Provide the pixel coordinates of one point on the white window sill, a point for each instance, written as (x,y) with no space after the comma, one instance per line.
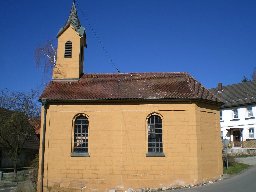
(236,119)
(247,118)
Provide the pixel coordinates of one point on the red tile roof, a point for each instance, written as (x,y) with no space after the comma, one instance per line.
(145,86)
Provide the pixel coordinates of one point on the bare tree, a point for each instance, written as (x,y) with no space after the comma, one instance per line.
(254,74)
(245,79)
(17,112)
(46,56)
(26,103)
(253,77)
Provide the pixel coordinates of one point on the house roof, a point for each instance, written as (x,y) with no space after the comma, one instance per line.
(128,86)
(239,94)
(74,21)
(32,142)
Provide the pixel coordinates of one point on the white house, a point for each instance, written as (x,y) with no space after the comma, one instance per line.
(237,115)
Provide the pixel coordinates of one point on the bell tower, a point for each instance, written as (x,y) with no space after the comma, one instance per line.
(70,51)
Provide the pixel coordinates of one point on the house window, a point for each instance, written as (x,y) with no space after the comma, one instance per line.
(251,133)
(249,111)
(68,49)
(80,140)
(235,113)
(220,115)
(155,143)
(221,135)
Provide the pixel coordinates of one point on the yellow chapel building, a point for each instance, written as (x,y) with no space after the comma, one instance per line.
(120,131)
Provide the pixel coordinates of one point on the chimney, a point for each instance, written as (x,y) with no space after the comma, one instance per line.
(219,86)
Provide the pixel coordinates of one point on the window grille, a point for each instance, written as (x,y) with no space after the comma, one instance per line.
(251,133)
(81,135)
(155,144)
(68,49)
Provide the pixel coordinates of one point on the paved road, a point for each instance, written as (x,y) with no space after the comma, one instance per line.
(244,182)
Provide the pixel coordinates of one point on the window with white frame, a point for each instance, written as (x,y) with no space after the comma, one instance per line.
(235,113)
(221,115)
(155,143)
(249,111)
(251,133)
(80,140)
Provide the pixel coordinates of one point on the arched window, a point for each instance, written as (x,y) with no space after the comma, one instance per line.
(68,49)
(80,142)
(155,142)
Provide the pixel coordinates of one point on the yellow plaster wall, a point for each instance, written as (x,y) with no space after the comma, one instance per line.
(69,68)
(118,147)
(209,142)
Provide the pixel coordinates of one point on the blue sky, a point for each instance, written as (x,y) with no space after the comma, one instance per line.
(213,40)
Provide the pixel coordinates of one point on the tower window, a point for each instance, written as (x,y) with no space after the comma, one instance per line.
(68,49)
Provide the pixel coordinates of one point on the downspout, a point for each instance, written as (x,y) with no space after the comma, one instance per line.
(44,103)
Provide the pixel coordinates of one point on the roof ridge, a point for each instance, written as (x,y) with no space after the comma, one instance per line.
(240,83)
(199,90)
(133,75)
(185,73)
(194,85)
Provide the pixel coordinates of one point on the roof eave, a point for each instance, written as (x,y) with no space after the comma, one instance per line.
(229,106)
(121,100)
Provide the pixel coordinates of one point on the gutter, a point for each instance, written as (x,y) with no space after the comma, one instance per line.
(44,103)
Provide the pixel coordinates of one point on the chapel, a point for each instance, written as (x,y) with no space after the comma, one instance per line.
(120,131)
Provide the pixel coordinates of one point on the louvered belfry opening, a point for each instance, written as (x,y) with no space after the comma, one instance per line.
(68,49)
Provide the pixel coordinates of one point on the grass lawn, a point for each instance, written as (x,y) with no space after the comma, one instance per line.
(235,168)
